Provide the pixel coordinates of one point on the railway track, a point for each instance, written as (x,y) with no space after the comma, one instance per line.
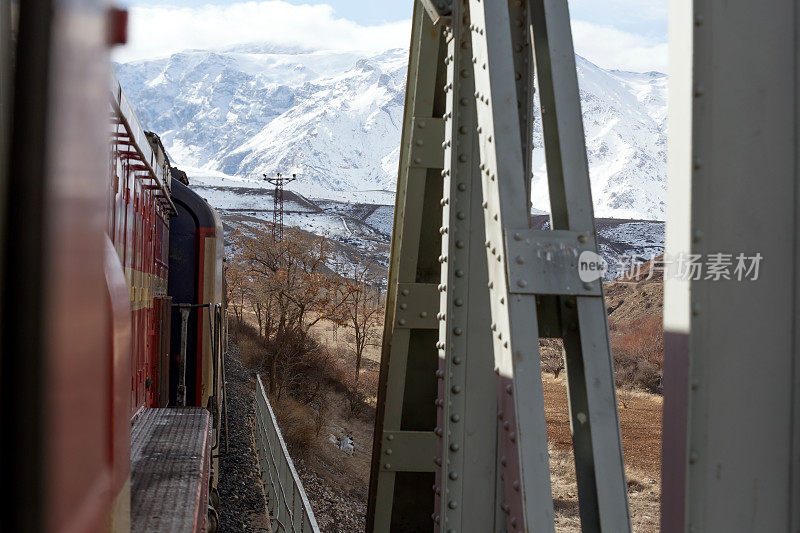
(242,503)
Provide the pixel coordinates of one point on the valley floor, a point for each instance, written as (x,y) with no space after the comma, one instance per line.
(337,483)
(641,441)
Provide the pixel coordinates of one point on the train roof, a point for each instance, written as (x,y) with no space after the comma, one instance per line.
(205,214)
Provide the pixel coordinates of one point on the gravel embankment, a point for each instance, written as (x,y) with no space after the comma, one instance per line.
(335,509)
(242,503)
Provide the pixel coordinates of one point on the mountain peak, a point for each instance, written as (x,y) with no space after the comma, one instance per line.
(266,47)
(335,118)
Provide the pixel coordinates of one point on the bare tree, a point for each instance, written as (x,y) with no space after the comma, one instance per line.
(291,289)
(237,288)
(363,311)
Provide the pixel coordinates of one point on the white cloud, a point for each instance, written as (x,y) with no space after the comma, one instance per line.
(609,47)
(621,11)
(161,31)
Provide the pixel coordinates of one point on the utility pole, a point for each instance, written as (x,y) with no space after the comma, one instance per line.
(277,211)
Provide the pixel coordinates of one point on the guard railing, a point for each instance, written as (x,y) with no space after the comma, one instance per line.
(288,506)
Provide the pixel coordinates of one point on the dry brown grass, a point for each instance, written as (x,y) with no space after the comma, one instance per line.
(335,466)
(628,302)
(640,421)
(296,421)
(251,347)
(643,493)
(350,409)
(641,441)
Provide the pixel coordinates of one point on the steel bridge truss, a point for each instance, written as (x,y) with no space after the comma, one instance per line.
(461,440)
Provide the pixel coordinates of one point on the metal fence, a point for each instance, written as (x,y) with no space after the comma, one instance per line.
(287,503)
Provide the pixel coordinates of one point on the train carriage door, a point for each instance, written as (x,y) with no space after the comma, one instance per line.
(182,287)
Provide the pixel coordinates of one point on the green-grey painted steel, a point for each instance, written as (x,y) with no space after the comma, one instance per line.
(736,155)
(547,262)
(467,492)
(426,149)
(417,306)
(526,473)
(501,285)
(402,500)
(597,444)
(520,25)
(408,451)
(439,11)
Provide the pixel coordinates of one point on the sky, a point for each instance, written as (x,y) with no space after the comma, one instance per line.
(616,34)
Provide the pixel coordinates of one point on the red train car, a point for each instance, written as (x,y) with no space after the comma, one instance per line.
(85,216)
(138,225)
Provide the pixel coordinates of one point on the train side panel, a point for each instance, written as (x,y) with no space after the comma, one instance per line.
(57,448)
(197,278)
(140,230)
(84,268)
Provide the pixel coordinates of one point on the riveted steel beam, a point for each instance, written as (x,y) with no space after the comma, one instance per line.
(401,500)
(526,472)
(520,26)
(427,136)
(468,494)
(597,444)
(408,451)
(731,447)
(439,11)
(501,286)
(417,306)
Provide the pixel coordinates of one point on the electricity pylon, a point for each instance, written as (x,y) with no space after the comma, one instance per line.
(277,210)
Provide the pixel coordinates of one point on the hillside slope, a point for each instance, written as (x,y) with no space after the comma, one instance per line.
(335,119)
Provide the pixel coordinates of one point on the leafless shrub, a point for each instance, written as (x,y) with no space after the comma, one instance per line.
(296,423)
(552,356)
(625,395)
(638,350)
(320,408)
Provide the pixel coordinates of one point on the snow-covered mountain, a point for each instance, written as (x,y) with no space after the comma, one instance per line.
(334,118)
(625,122)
